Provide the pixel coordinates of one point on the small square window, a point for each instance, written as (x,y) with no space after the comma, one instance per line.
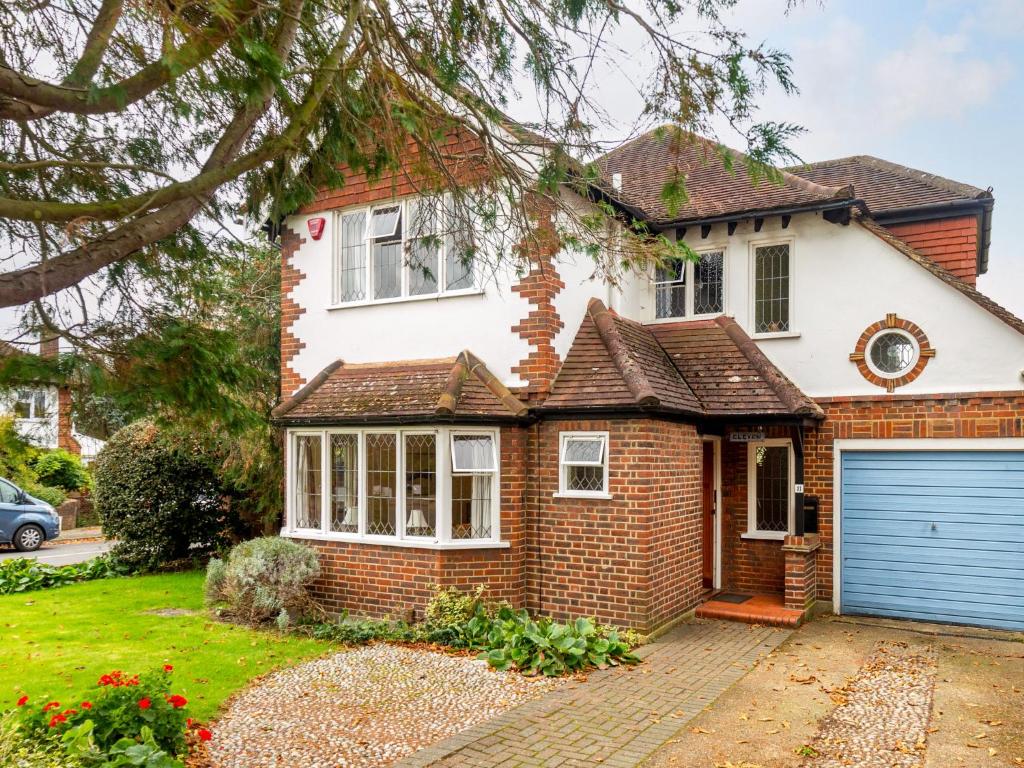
(583,464)
(473,453)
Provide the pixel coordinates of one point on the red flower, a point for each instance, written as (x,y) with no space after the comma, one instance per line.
(69,712)
(189,722)
(177,701)
(145,703)
(23,701)
(86,705)
(105,680)
(168,668)
(57,720)
(204,735)
(51,705)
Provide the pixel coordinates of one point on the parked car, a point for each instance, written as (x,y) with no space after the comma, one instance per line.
(25,521)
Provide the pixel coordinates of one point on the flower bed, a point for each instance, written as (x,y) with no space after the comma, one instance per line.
(25,575)
(127,720)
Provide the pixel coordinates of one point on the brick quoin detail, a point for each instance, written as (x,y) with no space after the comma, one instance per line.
(539,287)
(953,243)
(860,352)
(290,311)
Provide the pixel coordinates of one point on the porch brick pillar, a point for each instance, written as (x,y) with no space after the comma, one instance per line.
(801,570)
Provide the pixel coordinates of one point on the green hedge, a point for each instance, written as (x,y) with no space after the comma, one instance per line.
(24,575)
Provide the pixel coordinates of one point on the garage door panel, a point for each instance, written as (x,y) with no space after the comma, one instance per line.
(934,535)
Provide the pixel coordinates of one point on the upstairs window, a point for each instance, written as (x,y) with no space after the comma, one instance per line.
(686,289)
(30,404)
(771,288)
(583,464)
(401,250)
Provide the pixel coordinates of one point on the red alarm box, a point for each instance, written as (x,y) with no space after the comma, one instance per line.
(316,226)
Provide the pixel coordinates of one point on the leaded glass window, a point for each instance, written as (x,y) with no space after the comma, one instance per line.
(420,485)
(670,290)
(892,353)
(345,483)
(307,466)
(386,231)
(424,247)
(350,273)
(584,463)
(381,483)
(472,503)
(772,491)
(771,288)
(473,453)
(708,283)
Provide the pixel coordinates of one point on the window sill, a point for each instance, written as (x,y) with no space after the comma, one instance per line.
(685,318)
(591,496)
(406,299)
(764,535)
(778,335)
(387,541)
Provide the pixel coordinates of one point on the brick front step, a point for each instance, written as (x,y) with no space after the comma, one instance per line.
(768,610)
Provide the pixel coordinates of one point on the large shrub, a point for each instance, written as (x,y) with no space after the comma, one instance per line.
(61,469)
(159,496)
(263,579)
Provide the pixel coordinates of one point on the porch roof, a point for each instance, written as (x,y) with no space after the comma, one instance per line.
(413,390)
(708,368)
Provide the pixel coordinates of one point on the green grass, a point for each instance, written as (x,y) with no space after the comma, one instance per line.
(56,643)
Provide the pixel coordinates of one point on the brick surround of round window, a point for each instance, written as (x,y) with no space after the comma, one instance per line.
(892,322)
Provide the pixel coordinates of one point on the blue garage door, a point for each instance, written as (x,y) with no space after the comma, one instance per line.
(934,535)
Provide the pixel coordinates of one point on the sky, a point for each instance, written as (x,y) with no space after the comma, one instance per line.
(936,85)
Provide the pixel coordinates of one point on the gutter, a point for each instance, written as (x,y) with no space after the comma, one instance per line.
(829,205)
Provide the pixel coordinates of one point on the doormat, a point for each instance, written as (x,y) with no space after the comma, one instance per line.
(731,597)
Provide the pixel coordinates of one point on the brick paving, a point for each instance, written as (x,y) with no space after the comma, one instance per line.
(619,716)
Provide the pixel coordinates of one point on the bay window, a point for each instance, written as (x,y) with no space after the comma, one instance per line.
(409,249)
(415,487)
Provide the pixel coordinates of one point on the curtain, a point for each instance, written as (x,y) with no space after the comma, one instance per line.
(301,483)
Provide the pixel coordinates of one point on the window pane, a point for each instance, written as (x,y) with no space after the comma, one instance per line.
(472,453)
(385,222)
(381,483)
(707,283)
(584,478)
(8,493)
(423,263)
(350,278)
(471,506)
(892,352)
(458,263)
(345,483)
(584,451)
(387,270)
(308,488)
(420,485)
(423,217)
(772,488)
(771,289)
(23,405)
(670,290)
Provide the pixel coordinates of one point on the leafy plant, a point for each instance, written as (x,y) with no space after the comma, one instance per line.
(52,496)
(25,575)
(262,578)
(158,495)
(61,469)
(19,749)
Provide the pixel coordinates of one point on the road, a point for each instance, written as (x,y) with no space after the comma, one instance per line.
(61,554)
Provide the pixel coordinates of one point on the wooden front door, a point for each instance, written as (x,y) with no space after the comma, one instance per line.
(708,496)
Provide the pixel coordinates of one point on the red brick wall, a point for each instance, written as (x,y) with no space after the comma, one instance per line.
(953,243)
(630,560)
(900,416)
(378,580)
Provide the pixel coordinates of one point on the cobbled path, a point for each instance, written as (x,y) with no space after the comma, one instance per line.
(618,717)
(883,719)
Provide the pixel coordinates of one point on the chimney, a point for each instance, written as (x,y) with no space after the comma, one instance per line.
(49,347)
(617,182)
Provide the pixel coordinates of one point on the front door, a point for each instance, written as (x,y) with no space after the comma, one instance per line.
(708,497)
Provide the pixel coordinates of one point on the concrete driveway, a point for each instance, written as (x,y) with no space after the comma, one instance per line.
(61,554)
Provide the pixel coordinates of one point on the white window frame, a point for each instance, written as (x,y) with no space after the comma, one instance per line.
(689,300)
(442,538)
(454,433)
(407,239)
(752,531)
(753,245)
(33,414)
(563,467)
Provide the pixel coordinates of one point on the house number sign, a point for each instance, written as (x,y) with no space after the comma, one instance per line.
(745,437)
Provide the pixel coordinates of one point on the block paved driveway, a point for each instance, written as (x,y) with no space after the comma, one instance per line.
(619,716)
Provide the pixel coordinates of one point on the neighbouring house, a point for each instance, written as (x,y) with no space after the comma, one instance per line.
(43,412)
(823,408)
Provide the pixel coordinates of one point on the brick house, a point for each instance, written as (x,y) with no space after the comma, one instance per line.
(823,408)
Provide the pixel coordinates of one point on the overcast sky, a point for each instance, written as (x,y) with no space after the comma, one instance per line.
(933,84)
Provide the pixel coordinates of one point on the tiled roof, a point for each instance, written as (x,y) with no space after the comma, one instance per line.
(708,368)
(942,273)
(885,186)
(458,387)
(650,161)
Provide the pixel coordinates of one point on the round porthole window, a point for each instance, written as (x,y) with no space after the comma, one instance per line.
(892,353)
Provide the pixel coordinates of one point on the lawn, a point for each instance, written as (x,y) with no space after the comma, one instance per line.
(57,642)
